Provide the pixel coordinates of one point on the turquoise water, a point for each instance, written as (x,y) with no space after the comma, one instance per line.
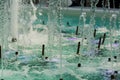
(74,20)
(31,65)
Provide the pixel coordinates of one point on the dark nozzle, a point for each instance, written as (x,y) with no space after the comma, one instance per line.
(46,57)
(2,79)
(112,77)
(16,53)
(14,40)
(109,59)
(0,53)
(79,64)
(43,50)
(94,33)
(99,43)
(68,24)
(85,38)
(104,37)
(61,78)
(116,72)
(76,30)
(43,22)
(115,57)
(116,41)
(78,48)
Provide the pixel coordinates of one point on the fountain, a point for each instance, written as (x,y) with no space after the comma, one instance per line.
(14,19)
(45,43)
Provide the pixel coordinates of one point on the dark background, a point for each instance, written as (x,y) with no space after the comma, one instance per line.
(87,3)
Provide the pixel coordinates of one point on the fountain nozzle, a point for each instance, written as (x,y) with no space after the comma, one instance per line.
(14,40)
(61,79)
(43,49)
(0,53)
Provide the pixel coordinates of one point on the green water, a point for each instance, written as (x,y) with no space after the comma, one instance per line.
(74,19)
(34,67)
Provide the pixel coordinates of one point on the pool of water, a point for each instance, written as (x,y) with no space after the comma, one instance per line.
(72,16)
(90,64)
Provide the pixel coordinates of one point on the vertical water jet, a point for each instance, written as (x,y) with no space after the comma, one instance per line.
(14,18)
